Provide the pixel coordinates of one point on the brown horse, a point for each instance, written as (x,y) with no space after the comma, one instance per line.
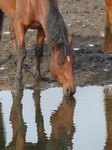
(108,27)
(44,16)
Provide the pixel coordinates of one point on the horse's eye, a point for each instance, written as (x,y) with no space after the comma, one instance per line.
(60,64)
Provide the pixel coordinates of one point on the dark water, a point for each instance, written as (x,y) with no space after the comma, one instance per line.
(45,120)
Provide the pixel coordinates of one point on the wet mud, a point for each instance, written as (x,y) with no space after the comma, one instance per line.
(85,21)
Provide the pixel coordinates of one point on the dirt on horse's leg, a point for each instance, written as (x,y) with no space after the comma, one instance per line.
(20,35)
(38,54)
(13,37)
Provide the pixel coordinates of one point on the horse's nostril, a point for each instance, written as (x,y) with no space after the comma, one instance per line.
(68,91)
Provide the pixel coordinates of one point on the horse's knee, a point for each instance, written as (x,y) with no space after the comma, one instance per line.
(38,55)
(12,35)
(22,52)
(39,50)
(12,32)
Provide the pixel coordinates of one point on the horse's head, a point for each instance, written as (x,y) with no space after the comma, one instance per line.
(62,68)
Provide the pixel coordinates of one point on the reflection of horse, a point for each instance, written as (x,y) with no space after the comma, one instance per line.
(2,135)
(44,16)
(108,27)
(18,126)
(62,127)
(108,114)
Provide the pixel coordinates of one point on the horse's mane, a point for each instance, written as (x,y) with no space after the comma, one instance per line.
(57,30)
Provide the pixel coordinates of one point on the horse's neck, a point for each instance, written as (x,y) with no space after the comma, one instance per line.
(45,9)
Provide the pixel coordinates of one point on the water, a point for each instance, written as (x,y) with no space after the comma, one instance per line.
(45,120)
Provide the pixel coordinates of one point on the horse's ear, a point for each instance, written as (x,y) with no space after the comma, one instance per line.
(70,40)
(55,45)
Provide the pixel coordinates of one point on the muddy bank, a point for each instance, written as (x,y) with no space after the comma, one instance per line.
(92,66)
(85,21)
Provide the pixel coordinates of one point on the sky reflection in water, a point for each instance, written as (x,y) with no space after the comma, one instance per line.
(79,123)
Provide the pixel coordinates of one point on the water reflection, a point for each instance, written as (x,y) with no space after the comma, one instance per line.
(61,124)
(89,118)
(2,136)
(108,114)
(44,120)
(18,125)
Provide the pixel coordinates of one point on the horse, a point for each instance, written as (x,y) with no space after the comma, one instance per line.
(62,130)
(46,18)
(107,43)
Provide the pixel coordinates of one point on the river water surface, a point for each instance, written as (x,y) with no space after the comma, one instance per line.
(45,120)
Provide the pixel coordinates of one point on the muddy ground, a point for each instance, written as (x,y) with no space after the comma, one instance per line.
(85,21)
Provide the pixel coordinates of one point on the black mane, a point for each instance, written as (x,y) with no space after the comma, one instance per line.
(57,30)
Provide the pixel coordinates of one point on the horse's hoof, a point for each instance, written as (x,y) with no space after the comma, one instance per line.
(17,86)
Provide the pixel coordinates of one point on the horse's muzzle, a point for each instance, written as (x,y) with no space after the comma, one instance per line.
(69,92)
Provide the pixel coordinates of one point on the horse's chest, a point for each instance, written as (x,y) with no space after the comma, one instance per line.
(31,23)
(35,25)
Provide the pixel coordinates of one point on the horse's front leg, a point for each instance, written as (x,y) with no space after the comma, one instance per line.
(21,55)
(38,54)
